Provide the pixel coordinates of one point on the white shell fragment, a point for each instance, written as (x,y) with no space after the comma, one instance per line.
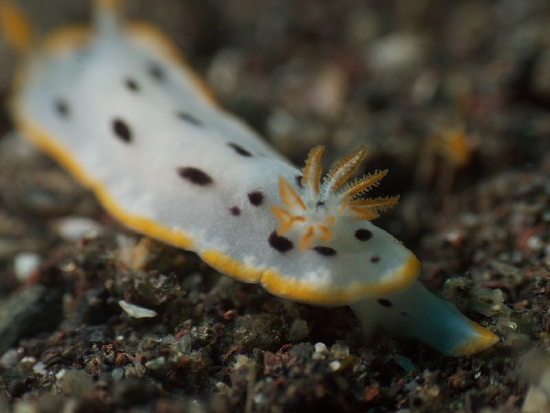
(136,311)
(74,228)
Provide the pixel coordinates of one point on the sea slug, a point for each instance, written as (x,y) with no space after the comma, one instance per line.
(118,107)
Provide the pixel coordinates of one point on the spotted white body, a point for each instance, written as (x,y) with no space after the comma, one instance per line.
(117,107)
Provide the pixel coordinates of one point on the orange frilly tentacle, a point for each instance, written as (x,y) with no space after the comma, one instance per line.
(314,210)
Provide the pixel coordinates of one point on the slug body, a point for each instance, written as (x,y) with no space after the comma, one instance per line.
(118,107)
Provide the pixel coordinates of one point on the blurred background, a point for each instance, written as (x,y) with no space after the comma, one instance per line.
(453,97)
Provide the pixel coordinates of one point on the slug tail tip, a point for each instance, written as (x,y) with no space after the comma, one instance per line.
(483,340)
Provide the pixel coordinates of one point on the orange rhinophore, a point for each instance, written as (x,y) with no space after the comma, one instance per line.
(314,214)
(448,151)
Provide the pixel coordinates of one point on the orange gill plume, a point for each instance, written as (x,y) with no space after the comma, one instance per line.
(313,211)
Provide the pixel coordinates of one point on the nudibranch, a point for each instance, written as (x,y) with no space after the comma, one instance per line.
(118,107)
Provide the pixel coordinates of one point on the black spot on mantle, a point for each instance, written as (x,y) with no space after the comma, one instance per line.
(385,303)
(363,234)
(131,84)
(62,108)
(256,198)
(281,244)
(122,130)
(195,176)
(157,72)
(239,149)
(186,117)
(325,251)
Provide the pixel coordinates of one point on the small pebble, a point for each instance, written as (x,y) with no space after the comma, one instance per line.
(74,382)
(223,73)
(10,358)
(535,243)
(396,52)
(28,360)
(536,401)
(339,351)
(156,364)
(335,365)
(405,363)
(24,264)
(321,352)
(25,407)
(321,348)
(298,330)
(39,368)
(241,360)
